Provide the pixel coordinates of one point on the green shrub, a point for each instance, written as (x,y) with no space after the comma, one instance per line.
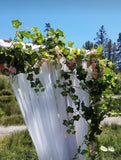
(4,82)
(18,146)
(1,112)
(6,92)
(9,107)
(117,88)
(8,103)
(111,136)
(16,119)
(9,111)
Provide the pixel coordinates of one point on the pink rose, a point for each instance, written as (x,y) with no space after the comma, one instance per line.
(95,74)
(93,65)
(45,60)
(93,60)
(94,144)
(2,67)
(71,62)
(92,147)
(101,70)
(93,52)
(12,69)
(93,153)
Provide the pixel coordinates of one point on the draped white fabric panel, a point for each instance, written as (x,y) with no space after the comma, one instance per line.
(44,112)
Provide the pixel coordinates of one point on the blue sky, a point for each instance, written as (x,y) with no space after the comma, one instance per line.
(78,19)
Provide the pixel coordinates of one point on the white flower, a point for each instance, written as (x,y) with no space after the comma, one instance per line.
(57,49)
(104,149)
(111,149)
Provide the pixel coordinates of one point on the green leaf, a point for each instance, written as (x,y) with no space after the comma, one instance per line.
(51,32)
(77,117)
(71,122)
(68,131)
(16,23)
(18,45)
(66,51)
(75,50)
(59,32)
(66,75)
(70,109)
(19,35)
(26,34)
(84,152)
(33,84)
(64,36)
(36,70)
(34,29)
(74,132)
(79,149)
(65,123)
(36,90)
(83,51)
(37,81)
(59,86)
(70,44)
(81,73)
(108,71)
(28,49)
(100,50)
(43,89)
(72,127)
(39,41)
(74,97)
(108,78)
(57,81)
(70,57)
(72,89)
(34,37)
(54,86)
(64,93)
(30,77)
(40,85)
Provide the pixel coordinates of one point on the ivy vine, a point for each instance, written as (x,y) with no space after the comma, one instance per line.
(94,78)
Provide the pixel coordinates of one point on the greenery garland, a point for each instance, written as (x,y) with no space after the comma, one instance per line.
(94,78)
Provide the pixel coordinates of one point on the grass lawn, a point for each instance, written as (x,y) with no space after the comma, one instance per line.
(17,147)
(111,137)
(20,147)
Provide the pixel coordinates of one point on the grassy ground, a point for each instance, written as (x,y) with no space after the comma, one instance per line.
(20,147)
(9,111)
(17,147)
(15,119)
(111,136)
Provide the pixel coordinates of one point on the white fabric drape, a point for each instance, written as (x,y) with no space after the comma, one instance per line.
(44,112)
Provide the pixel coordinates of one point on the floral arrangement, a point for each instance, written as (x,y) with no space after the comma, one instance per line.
(91,68)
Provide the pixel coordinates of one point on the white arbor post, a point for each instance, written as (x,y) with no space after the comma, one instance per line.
(44,112)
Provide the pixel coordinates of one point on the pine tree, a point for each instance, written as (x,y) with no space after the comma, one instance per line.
(88,45)
(108,51)
(119,51)
(114,53)
(101,39)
